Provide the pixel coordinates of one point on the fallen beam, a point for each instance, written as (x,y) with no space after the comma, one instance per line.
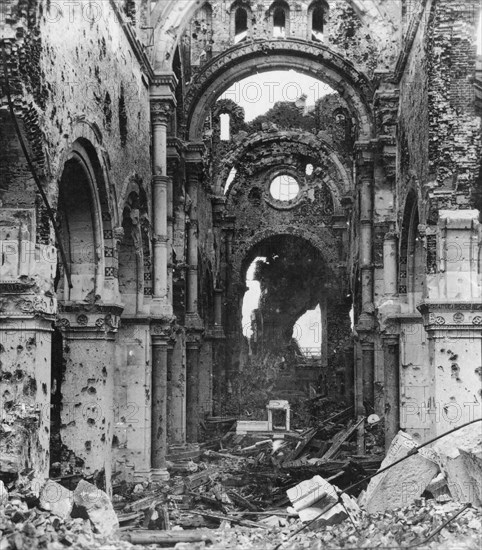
(166,538)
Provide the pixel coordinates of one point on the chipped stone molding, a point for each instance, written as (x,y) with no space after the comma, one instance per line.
(24,306)
(215,333)
(97,318)
(365,149)
(176,149)
(195,151)
(194,324)
(365,326)
(460,317)
(390,339)
(161,332)
(160,239)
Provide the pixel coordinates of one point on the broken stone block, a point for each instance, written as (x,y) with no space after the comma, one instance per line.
(56,499)
(402,484)
(311,497)
(315,492)
(3,493)
(270,521)
(459,456)
(93,502)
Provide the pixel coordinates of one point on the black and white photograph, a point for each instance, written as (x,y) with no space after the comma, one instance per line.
(240,274)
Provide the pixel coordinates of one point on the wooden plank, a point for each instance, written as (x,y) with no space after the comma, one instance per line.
(340,439)
(232,519)
(167,538)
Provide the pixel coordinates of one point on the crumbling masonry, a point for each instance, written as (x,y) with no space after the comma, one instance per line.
(121,289)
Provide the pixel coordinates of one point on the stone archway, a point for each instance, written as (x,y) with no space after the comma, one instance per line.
(266,55)
(311,146)
(296,276)
(87,317)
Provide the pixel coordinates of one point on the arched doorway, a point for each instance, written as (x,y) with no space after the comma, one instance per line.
(83,347)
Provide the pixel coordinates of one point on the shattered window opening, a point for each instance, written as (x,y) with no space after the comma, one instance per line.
(284,188)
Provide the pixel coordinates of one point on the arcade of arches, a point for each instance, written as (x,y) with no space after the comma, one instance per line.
(151,206)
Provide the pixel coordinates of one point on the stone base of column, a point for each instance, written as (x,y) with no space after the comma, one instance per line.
(193,321)
(142,475)
(159,475)
(183,452)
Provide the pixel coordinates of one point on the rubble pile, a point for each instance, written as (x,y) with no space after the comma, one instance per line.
(308,489)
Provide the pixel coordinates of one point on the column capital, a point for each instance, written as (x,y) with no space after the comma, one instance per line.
(391,236)
(194,152)
(161,110)
(390,339)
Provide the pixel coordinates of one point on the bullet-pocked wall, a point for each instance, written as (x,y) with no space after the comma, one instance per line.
(82,106)
(120,304)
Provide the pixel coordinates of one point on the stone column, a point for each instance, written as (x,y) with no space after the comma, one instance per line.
(194,324)
(390,261)
(159,403)
(162,107)
(173,169)
(160,239)
(177,390)
(218,307)
(391,357)
(368,375)
(193,345)
(366,241)
(365,323)
(133,394)
(87,412)
(349,359)
(25,359)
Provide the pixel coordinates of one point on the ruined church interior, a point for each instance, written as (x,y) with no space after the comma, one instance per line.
(232,219)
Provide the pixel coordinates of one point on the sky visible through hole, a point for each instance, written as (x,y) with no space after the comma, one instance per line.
(307,330)
(258,93)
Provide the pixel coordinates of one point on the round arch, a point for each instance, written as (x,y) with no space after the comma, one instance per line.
(323,241)
(244,60)
(85,148)
(313,145)
(79,206)
(170,18)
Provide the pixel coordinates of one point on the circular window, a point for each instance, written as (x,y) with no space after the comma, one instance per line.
(284,188)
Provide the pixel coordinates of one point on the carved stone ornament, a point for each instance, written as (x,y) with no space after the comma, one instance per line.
(100,323)
(161,111)
(458,317)
(82,320)
(62,324)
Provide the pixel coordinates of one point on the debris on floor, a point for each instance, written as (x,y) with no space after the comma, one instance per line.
(284,486)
